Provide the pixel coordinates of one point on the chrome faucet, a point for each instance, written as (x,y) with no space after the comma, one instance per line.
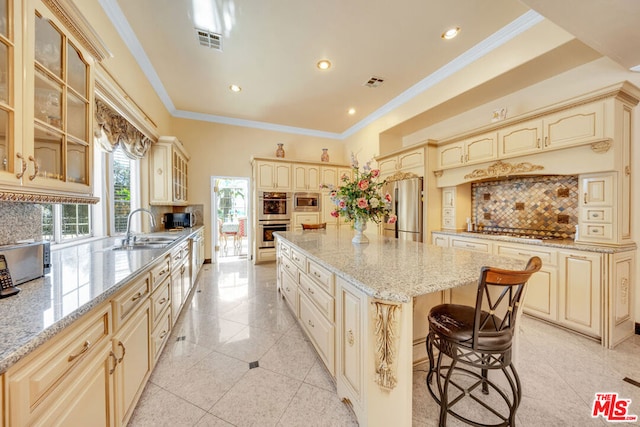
(128,238)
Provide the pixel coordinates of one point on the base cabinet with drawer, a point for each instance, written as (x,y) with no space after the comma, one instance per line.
(590,292)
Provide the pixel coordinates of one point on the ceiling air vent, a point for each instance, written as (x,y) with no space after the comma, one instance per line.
(209,39)
(374,81)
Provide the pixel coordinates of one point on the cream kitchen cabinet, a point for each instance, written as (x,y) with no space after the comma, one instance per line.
(411,160)
(131,344)
(306,177)
(71,378)
(456,207)
(49,146)
(351,344)
(580,287)
(476,149)
(168,166)
(180,279)
(577,125)
(272,175)
(332,176)
(329,176)
(440,240)
(597,216)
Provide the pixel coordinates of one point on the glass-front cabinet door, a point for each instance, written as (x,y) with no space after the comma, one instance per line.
(9,64)
(61,152)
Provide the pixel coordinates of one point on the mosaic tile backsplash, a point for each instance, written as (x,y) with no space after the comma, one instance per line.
(541,205)
(20,221)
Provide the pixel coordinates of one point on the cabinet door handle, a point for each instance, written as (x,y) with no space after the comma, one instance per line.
(546,141)
(520,253)
(311,323)
(585,198)
(538,143)
(20,174)
(315,273)
(36,168)
(124,351)
(577,257)
(350,338)
(310,291)
(115,362)
(136,296)
(163,334)
(162,301)
(85,347)
(461,158)
(162,272)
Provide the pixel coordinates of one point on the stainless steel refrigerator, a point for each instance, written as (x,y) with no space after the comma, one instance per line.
(406,204)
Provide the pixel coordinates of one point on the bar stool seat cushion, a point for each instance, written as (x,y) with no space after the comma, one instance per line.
(455,322)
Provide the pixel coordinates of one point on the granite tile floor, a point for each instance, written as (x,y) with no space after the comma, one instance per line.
(235,317)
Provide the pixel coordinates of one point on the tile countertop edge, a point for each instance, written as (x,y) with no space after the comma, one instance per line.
(10,357)
(404,296)
(560,243)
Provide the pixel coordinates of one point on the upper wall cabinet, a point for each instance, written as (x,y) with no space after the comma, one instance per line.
(477,149)
(46,98)
(306,177)
(411,160)
(169,172)
(272,175)
(584,123)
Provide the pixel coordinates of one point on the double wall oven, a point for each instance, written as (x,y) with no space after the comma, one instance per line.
(274,214)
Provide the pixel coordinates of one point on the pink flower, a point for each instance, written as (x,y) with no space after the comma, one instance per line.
(342,204)
(362,203)
(392,219)
(363,184)
(387,197)
(335,214)
(375,173)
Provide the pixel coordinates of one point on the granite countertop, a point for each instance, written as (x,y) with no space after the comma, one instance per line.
(552,243)
(391,269)
(81,277)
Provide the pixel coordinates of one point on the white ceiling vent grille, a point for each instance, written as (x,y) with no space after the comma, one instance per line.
(209,39)
(374,81)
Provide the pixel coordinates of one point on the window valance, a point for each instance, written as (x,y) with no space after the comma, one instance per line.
(111,129)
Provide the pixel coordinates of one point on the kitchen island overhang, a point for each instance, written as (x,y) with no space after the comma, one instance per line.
(374,288)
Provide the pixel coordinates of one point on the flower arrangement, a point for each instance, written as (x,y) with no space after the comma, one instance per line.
(360,199)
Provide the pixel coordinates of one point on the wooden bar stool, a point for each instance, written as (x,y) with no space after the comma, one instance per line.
(321,226)
(478,340)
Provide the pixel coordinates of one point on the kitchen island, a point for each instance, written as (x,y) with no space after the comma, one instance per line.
(358,303)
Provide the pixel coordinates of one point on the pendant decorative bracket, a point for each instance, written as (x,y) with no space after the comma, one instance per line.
(386,334)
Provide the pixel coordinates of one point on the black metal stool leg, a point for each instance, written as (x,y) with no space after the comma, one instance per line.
(485,386)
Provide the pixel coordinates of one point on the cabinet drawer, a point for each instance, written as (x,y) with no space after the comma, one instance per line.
(323,301)
(179,254)
(127,301)
(159,273)
(40,374)
(290,291)
(549,257)
(470,245)
(289,267)
(448,222)
(160,299)
(599,231)
(160,334)
(298,259)
(321,332)
(597,214)
(285,250)
(449,212)
(322,276)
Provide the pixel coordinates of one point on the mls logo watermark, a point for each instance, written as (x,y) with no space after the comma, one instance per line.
(612,408)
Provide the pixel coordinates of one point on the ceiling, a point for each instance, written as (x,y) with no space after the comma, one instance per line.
(270,49)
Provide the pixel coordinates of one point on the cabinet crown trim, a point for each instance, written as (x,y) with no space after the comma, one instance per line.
(27,197)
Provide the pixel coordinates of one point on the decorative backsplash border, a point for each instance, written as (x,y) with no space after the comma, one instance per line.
(538,206)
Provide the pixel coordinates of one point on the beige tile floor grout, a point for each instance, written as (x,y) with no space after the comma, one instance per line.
(235,316)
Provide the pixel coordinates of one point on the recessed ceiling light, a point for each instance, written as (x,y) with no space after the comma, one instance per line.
(451,33)
(351,111)
(235,88)
(635,69)
(324,64)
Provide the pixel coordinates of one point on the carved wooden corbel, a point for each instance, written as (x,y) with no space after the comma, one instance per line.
(386,333)
(438,173)
(601,146)
(500,168)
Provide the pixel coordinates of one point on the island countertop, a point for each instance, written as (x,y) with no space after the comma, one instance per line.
(391,269)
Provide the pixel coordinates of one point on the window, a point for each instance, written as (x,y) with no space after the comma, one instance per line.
(62,223)
(124,194)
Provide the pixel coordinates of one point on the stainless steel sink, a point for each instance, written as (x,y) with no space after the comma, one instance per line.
(140,246)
